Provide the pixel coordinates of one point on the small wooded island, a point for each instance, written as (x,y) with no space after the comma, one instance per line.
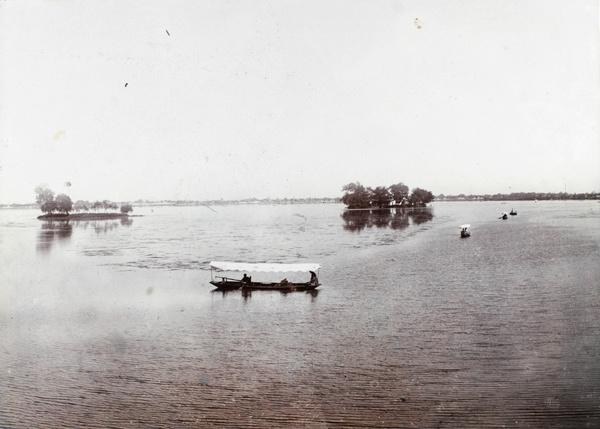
(60,208)
(356,196)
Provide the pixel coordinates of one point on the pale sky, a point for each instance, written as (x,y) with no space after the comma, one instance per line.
(219,99)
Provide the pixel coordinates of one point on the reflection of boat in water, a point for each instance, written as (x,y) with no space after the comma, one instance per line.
(464,230)
(504,216)
(513,212)
(246,283)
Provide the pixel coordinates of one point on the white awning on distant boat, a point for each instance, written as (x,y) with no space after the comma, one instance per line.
(466,225)
(263,268)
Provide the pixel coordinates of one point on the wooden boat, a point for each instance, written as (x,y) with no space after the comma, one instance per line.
(464,233)
(504,216)
(224,282)
(513,212)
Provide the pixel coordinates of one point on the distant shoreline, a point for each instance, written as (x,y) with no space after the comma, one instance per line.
(83,216)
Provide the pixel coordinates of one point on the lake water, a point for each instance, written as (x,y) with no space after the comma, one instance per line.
(113,324)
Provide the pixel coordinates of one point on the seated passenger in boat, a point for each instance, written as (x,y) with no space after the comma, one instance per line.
(246,280)
(313,278)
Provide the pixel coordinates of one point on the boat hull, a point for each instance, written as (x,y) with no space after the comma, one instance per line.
(280,286)
(264,286)
(226,284)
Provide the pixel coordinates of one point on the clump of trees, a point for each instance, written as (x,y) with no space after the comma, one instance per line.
(63,204)
(48,204)
(357,196)
(126,208)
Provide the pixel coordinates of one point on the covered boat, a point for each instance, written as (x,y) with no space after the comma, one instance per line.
(223,282)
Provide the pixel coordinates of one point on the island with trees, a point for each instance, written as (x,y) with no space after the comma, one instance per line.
(61,207)
(356,196)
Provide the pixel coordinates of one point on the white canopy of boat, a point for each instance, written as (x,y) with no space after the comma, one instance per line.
(263,268)
(466,225)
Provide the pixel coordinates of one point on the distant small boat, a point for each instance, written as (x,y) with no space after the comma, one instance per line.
(504,216)
(513,212)
(247,283)
(464,230)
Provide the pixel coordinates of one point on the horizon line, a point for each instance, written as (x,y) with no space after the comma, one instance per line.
(146,200)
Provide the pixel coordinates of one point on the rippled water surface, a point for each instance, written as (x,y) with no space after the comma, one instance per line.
(114,324)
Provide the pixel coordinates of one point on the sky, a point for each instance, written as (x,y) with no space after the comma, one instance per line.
(205,100)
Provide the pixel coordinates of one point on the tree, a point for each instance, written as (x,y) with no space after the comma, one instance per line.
(81,205)
(399,192)
(420,197)
(63,203)
(45,199)
(107,205)
(356,195)
(49,207)
(126,208)
(381,196)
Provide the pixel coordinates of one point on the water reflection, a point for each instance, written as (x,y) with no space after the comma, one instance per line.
(420,216)
(247,293)
(223,291)
(396,218)
(103,226)
(53,231)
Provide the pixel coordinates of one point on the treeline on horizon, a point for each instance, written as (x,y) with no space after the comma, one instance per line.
(521,196)
(141,202)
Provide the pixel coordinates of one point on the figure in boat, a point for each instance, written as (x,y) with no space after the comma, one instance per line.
(513,212)
(464,231)
(314,280)
(504,216)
